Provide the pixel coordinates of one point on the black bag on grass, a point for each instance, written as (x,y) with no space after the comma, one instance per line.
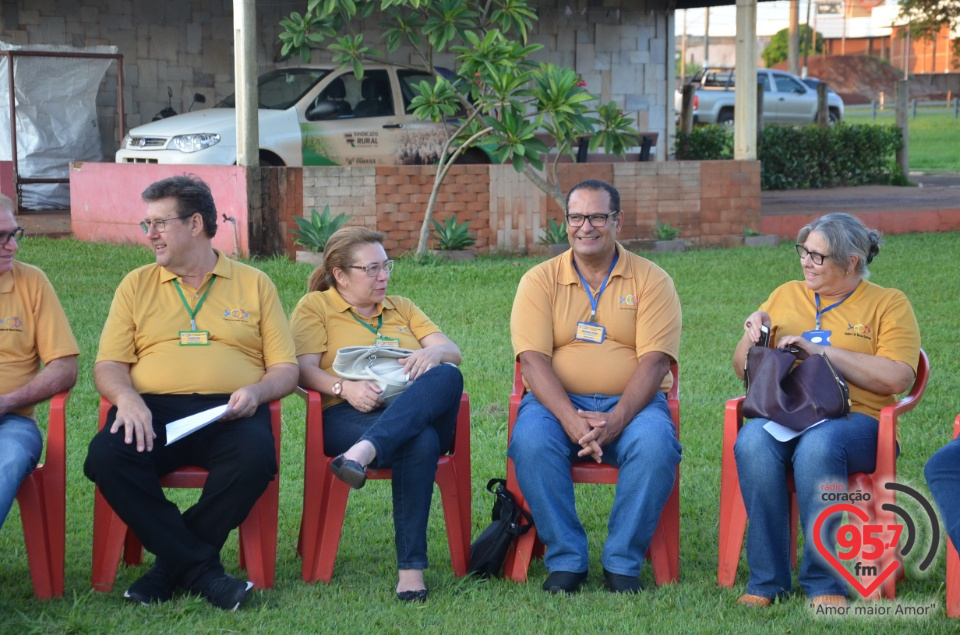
(489,551)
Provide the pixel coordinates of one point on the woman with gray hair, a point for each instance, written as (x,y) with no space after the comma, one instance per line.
(873,339)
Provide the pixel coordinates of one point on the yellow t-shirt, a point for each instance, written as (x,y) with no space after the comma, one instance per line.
(242,312)
(33,328)
(323,321)
(639,308)
(873,321)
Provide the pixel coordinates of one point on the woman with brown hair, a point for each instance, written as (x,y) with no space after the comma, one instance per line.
(347,305)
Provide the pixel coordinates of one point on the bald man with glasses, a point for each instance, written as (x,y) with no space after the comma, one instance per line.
(595,331)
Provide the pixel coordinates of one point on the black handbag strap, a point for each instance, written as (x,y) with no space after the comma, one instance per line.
(504,499)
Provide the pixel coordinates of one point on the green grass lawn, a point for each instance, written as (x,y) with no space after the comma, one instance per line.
(471,302)
(934,137)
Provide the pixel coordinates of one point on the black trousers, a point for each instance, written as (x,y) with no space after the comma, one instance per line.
(241,460)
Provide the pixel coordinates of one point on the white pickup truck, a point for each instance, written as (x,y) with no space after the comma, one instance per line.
(787,100)
(308,116)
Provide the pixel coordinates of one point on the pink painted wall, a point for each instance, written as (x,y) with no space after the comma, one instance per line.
(8,184)
(105,203)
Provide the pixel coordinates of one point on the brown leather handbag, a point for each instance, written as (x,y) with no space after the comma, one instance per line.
(795,395)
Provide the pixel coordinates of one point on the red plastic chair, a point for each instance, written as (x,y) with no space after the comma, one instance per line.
(325,496)
(43,503)
(733,514)
(953,561)
(664,550)
(258,533)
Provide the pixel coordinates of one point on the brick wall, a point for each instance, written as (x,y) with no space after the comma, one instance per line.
(712,202)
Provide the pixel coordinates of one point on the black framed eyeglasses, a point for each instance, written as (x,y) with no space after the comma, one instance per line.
(374,270)
(596,220)
(160,224)
(16,234)
(814,256)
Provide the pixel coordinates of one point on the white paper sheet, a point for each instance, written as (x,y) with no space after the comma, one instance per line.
(180,428)
(783,433)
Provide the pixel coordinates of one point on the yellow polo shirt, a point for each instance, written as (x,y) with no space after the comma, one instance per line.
(323,321)
(242,312)
(33,328)
(873,321)
(639,308)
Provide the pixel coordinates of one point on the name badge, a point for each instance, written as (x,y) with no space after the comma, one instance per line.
(387,341)
(194,338)
(818,336)
(590,332)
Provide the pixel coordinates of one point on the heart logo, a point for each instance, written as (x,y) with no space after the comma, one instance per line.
(826,553)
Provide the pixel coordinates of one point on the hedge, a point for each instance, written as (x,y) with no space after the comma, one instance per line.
(809,156)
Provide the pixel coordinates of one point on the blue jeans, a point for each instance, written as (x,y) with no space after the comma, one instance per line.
(943,476)
(826,454)
(409,436)
(20,447)
(646,453)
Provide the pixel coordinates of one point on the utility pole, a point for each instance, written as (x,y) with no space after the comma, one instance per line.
(683,51)
(706,37)
(793,39)
(843,41)
(808,39)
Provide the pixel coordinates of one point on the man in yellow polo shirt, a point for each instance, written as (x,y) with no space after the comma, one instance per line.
(193,331)
(595,330)
(33,332)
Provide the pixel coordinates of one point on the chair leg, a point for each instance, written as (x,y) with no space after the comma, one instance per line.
(333,512)
(664,548)
(314,502)
(109,536)
(733,525)
(953,580)
(458,536)
(522,551)
(36,536)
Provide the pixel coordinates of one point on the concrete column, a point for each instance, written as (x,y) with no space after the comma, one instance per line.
(245,75)
(793,39)
(745,99)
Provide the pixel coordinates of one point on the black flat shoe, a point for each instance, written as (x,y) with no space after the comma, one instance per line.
(564,582)
(420,595)
(617,583)
(350,472)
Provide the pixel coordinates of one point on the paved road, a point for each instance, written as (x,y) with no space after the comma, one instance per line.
(939,191)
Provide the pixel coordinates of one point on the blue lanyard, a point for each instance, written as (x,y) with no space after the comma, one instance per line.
(832,306)
(594,299)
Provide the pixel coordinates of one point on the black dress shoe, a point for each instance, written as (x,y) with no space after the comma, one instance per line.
(420,595)
(617,583)
(350,472)
(564,582)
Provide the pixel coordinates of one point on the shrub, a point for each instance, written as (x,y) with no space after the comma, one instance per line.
(705,143)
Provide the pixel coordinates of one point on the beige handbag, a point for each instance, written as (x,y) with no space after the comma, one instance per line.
(378,364)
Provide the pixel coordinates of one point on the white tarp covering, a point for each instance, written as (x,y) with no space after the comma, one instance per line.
(56,99)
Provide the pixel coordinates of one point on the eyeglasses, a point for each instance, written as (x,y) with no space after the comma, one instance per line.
(160,224)
(596,220)
(16,234)
(374,270)
(814,256)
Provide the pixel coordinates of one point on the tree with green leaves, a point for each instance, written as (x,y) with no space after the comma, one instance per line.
(497,99)
(776,51)
(926,18)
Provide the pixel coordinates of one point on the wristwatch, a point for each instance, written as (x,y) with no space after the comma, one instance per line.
(337,387)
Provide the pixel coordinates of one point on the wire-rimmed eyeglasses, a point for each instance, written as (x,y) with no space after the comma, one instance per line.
(160,224)
(374,270)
